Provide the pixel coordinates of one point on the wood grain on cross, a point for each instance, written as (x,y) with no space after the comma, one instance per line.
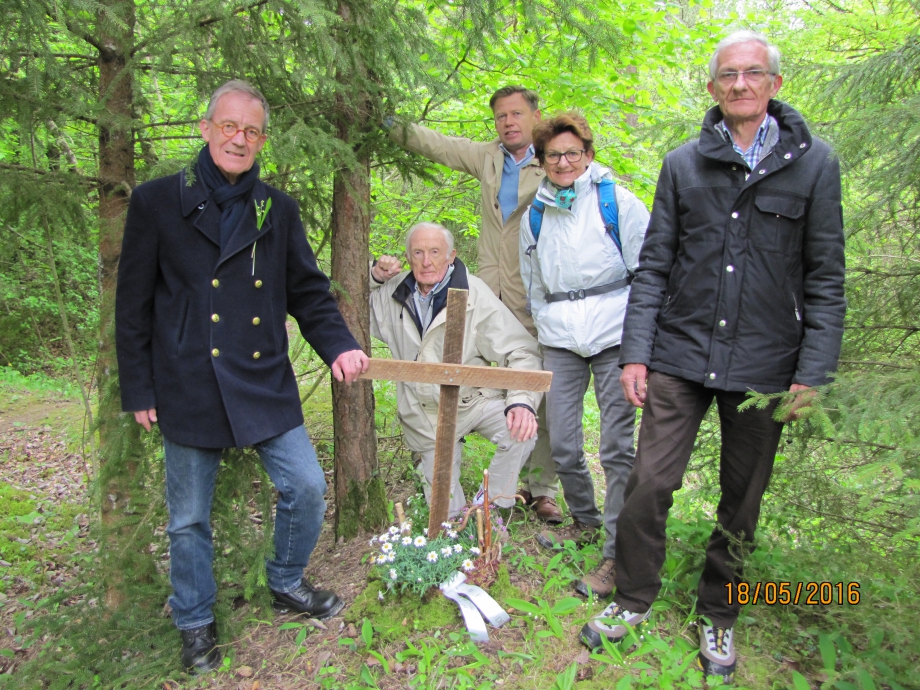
(450,374)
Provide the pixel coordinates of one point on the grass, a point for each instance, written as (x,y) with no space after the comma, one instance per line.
(415,643)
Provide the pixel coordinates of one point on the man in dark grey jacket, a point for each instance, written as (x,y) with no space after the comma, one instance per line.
(739,288)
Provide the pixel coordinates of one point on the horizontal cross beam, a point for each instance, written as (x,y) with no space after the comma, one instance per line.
(459,375)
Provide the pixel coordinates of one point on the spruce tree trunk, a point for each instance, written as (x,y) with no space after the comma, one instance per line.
(360,496)
(115,32)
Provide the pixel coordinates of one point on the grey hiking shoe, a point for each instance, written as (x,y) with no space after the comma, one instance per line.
(577,532)
(600,580)
(717,652)
(610,623)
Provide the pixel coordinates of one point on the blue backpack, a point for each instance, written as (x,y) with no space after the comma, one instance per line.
(607,200)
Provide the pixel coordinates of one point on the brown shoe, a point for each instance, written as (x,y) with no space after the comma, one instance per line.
(577,532)
(546,509)
(526,495)
(600,580)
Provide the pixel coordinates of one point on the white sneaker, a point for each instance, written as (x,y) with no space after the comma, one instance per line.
(611,623)
(717,652)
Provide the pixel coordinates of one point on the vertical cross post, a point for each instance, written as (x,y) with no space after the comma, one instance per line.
(447,413)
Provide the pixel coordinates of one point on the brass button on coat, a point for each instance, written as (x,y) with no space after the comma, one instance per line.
(215,318)
(258,283)
(215,352)
(215,282)
(256,321)
(256,355)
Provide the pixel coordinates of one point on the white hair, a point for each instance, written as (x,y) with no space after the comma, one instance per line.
(237,86)
(430,225)
(744,37)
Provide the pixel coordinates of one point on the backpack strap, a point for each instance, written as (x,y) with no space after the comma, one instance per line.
(607,199)
(536,218)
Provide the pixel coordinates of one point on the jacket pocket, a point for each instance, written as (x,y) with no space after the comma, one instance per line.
(778,225)
(182,327)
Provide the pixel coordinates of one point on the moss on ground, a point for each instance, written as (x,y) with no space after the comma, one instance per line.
(502,588)
(393,615)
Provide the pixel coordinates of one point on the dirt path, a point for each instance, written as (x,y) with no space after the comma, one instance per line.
(43,474)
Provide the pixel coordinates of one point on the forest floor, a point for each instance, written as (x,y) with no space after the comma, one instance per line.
(46,550)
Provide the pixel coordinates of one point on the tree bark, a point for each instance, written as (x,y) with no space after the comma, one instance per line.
(360,496)
(115,21)
(359,492)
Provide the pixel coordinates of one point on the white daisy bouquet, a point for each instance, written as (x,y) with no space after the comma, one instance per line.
(407,560)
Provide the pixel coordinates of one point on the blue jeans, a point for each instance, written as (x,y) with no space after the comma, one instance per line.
(290,461)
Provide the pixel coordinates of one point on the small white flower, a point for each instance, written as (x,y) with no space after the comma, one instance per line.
(405,527)
(447,551)
(372,541)
(383,538)
(425,531)
(393,529)
(419,579)
(386,548)
(391,557)
(468,565)
(457,548)
(432,556)
(446,525)
(393,573)
(373,560)
(407,541)
(452,534)
(380,596)
(420,542)
(475,550)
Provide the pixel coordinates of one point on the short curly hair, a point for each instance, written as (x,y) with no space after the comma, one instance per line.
(547,130)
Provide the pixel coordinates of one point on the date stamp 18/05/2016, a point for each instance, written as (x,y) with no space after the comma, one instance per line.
(806,593)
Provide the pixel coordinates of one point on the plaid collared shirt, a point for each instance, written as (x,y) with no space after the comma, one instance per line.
(753,155)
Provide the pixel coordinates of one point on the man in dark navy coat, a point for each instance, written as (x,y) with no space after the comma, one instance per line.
(739,288)
(210,268)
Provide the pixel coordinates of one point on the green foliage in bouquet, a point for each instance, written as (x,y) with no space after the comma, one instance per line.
(408,561)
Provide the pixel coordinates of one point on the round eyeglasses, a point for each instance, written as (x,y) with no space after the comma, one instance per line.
(229,130)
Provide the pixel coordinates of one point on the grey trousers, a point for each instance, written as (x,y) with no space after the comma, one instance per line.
(505,465)
(564,411)
(538,475)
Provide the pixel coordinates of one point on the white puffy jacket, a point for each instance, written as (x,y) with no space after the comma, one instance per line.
(575,252)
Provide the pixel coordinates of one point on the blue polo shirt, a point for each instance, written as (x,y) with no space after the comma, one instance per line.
(511,175)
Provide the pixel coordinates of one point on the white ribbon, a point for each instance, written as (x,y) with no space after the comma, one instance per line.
(456,589)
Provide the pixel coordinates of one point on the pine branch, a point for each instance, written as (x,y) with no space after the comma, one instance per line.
(884,529)
(446,80)
(238,10)
(168,123)
(86,179)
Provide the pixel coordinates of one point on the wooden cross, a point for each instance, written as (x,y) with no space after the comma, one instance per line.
(450,374)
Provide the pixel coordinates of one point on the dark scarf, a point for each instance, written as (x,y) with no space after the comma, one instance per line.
(231,199)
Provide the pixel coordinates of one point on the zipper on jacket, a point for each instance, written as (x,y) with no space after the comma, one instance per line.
(795,303)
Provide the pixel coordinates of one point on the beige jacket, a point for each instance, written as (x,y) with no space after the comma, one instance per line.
(499,266)
(492,335)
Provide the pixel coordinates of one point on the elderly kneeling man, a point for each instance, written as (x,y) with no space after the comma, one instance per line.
(408,314)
